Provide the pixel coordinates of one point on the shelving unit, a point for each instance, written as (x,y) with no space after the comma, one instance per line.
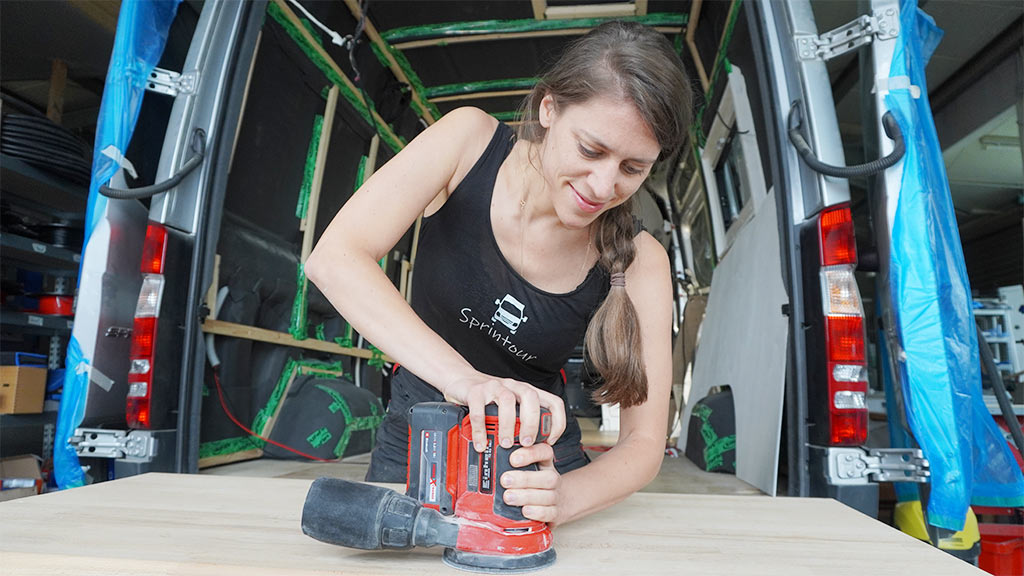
(30,184)
(997,326)
(38,255)
(30,191)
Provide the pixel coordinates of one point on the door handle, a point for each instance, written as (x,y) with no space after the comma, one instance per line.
(198,146)
(889,124)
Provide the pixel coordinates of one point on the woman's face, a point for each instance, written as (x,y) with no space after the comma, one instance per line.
(594,156)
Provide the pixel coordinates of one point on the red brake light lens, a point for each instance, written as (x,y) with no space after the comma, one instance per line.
(845,338)
(154,249)
(838,243)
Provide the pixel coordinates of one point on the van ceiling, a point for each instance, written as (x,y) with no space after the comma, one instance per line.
(33,33)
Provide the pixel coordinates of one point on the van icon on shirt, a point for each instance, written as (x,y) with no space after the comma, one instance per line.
(509,312)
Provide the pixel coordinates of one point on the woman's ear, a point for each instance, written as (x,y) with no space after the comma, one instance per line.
(546,111)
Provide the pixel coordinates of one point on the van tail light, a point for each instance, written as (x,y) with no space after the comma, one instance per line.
(844,329)
(147,312)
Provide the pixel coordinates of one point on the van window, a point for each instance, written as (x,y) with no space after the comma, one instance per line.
(733,191)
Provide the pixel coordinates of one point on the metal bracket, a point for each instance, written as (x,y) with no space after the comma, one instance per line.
(132,446)
(854,466)
(883,24)
(172,83)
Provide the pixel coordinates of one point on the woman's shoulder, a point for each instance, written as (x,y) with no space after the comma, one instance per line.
(651,259)
(471,124)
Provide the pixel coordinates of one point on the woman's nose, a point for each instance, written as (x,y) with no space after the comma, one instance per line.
(603,180)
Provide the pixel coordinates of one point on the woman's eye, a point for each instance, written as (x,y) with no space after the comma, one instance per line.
(632,171)
(587,152)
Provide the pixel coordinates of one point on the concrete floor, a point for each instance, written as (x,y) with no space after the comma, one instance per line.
(678,475)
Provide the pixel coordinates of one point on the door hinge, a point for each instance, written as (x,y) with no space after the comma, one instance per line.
(855,466)
(132,446)
(172,83)
(883,24)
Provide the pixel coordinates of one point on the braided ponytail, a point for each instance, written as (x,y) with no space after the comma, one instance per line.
(613,336)
(639,64)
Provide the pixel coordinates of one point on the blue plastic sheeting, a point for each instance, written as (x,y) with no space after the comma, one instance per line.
(138,44)
(940,378)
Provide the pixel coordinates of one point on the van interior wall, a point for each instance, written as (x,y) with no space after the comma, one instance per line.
(260,241)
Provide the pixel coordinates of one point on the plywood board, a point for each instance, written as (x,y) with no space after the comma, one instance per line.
(226,525)
(746,292)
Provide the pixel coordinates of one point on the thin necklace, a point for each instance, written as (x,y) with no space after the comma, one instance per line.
(522,242)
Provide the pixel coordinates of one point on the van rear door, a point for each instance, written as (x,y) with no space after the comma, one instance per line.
(194,98)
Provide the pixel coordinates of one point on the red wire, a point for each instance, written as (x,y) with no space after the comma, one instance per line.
(220,394)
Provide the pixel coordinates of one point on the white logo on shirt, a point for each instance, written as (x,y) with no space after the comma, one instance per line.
(509,312)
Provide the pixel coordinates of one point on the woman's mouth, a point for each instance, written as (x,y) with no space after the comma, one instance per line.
(584,204)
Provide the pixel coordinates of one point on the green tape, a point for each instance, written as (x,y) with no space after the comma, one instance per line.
(260,421)
(714,453)
(396,143)
(714,447)
(319,438)
(312,30)
(360,174)
(320,332)
(482,86)
(353,424)
(302,206)
(227,446)
(414,78)
(381,58)
(298,328)
(277,395)
(456,29)
(376,357)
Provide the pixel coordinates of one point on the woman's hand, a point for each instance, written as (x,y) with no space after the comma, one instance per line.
(478,391)
(536,491)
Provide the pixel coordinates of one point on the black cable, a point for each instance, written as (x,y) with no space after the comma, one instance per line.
(999,387)
(889,124)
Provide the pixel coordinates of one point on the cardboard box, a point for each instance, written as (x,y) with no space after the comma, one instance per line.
(19,477)
(22,389)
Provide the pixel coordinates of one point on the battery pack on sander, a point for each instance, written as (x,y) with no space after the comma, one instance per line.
(447,473)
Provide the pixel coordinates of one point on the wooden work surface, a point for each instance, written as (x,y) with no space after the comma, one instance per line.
(226,525)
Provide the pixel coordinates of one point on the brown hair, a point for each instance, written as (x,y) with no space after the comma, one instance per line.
(635,62)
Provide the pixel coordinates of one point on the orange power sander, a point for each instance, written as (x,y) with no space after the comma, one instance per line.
(453,499)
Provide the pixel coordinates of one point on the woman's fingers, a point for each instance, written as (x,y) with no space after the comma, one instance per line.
(536,491)
(555,405)
(529,412)
(508,395)
(506,401)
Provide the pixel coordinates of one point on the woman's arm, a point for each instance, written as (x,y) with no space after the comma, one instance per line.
(636,458)
(343,265)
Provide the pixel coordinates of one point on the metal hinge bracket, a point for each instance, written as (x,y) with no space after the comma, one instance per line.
(132,446)
(855,466)
(171,83)
(883,24)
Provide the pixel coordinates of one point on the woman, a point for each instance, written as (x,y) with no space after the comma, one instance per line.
(530,241)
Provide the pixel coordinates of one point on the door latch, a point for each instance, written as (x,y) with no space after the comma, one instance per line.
(172,83)
(133,445)
(855,466)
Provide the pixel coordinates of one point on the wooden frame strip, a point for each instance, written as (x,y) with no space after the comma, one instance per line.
(512,36)
(335,74)
(610,10)
(480,95)
(385,49)
(691,30)
(222,328)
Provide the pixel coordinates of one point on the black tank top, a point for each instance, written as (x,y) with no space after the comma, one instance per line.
(468,293)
